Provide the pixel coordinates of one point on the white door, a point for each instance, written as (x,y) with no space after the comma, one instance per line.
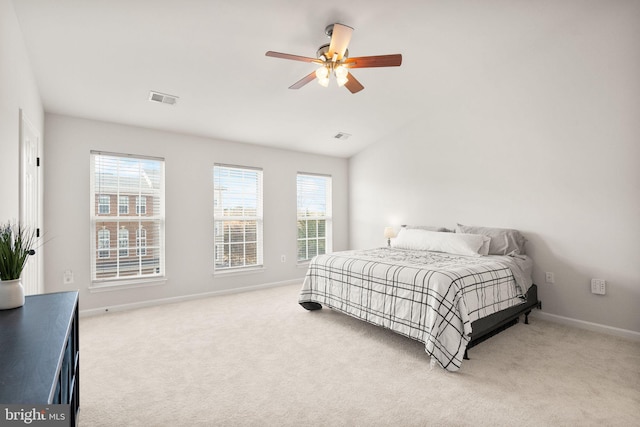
(30,201)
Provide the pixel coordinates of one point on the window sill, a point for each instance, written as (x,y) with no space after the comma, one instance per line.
(116,285)
(239,271)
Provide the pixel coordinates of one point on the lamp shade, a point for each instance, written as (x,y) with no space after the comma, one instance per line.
(324,82)
(341,71)
(341,81)
(322,73)
(389,233)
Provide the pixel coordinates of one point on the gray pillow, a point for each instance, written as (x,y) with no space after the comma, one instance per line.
(504,241)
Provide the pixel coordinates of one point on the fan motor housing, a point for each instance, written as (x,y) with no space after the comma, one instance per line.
(322,51)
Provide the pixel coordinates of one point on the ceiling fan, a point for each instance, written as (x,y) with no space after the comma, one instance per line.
(334,58)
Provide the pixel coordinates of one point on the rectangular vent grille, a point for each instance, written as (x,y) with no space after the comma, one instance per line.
(342,135)
(162,98)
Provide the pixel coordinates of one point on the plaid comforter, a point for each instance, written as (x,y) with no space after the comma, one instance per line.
(431,297)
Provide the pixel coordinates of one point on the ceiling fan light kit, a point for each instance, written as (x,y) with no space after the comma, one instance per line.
(333,58)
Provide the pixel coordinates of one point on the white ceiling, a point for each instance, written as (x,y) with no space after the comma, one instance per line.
(99,59)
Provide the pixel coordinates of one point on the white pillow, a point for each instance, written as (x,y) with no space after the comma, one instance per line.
(453,243)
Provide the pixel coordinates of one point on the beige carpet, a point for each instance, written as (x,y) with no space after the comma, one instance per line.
(259,359)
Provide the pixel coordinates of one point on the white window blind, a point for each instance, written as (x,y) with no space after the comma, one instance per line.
(237,217)
(117,179)
(314,215)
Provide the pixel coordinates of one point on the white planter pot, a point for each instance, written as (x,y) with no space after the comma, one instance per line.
(11,294)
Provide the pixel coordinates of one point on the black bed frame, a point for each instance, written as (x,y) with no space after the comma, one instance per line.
(495,323)
(491,325)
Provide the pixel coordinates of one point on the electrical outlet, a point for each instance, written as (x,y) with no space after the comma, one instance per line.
(598,286)
(549,277)
(67,278)
(283,258)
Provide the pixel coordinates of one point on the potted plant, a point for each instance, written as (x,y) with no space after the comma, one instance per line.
(16,245)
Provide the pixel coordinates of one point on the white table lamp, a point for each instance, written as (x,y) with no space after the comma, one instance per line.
(389,233)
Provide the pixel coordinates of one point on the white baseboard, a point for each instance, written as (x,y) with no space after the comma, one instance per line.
(625,333)
(150,303)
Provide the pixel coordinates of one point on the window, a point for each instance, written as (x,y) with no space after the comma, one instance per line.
(314,215)
(123,242)
(123,205)
(104,241)
(104,204)
(120,178)
(141,241)
(141,205)
(237,217)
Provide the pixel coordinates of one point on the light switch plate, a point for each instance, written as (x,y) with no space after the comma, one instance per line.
(598,286)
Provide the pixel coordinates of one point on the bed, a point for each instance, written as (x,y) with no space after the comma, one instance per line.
(447,290)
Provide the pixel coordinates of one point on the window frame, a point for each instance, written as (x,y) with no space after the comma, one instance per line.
(223,223)
(118,174)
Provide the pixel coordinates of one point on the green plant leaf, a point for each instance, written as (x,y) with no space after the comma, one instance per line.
(16,245)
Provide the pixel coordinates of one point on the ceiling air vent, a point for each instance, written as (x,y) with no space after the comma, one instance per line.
(162,98)
(342,135)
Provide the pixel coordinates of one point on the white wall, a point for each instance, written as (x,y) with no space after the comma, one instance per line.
(547,141)
(18,90)
(189,164)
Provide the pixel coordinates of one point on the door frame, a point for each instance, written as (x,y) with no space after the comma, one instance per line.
(30,215)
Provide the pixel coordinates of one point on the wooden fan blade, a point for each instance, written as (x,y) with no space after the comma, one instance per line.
(303,81)
(352,84)
(292,57)
(374,61)
(340,39)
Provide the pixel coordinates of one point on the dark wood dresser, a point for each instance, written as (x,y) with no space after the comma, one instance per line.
(40,353)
